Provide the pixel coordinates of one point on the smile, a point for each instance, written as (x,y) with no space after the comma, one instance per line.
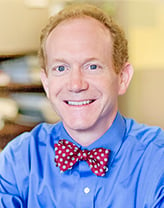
(79,103)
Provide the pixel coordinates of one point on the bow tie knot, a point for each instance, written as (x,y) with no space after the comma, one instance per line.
(83,154)
(67,154)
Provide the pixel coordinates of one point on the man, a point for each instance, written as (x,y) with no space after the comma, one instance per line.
(94,157)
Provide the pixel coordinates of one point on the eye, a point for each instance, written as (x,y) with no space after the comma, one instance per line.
(60,68)
(93,66)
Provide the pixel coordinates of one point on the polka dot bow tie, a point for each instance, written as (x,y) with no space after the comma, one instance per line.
(67,154)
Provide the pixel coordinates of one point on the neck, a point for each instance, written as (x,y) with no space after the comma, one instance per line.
(88,136)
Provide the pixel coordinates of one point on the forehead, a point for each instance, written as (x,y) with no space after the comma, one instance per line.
(78,26)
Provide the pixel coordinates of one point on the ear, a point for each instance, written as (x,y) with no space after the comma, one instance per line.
(126,75)
(44,80)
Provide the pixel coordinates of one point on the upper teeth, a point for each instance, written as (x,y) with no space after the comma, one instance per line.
(79,102)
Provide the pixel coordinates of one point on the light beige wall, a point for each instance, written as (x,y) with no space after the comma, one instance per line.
(144,100)
(146,34)
(20,26)
(144,25)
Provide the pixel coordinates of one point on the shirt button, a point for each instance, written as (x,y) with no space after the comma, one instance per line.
(86,190)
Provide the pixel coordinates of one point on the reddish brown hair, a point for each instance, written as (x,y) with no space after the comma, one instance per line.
(120,49)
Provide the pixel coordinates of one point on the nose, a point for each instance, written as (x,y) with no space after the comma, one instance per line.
(77,81)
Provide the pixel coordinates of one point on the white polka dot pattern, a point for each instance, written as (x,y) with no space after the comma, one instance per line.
(67,154)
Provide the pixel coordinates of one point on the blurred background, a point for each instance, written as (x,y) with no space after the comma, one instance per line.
(22,100)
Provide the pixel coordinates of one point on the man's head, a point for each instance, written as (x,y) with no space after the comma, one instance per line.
(120,49)
(79,72)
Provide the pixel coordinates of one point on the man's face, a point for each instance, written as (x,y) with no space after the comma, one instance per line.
(81,82)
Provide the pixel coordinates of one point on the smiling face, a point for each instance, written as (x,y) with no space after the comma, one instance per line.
(80,81)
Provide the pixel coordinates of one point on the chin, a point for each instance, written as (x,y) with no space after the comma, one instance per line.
(79,126)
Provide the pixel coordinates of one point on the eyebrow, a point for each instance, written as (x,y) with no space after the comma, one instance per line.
(59,60)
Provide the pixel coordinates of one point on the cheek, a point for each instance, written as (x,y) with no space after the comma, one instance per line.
(111,92)
(54,88)
(109,86)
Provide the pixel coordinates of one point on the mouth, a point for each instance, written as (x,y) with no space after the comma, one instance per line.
(79,103)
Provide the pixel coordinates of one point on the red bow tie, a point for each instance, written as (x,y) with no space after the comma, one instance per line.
(67,154)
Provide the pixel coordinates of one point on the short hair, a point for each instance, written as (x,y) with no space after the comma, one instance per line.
(120,48)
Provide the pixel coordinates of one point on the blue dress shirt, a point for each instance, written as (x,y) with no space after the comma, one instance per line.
(29,177)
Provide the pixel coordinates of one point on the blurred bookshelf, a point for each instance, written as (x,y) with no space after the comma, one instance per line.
(23,103)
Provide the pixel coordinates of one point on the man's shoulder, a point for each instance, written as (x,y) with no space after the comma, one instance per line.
(147,144)
(145,134)
(40,134)
(46,129)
